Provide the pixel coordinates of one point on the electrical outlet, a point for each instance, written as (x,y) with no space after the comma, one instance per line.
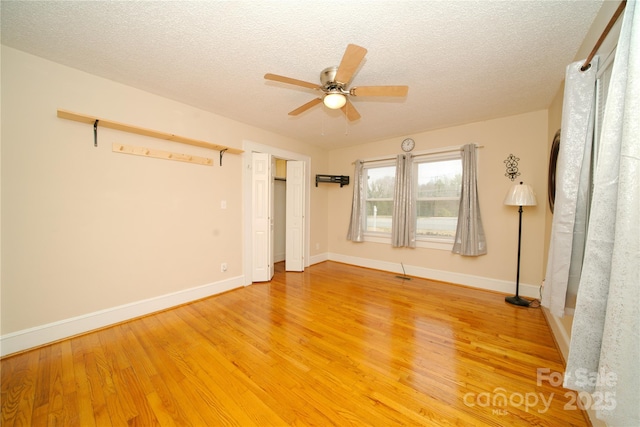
(223,267)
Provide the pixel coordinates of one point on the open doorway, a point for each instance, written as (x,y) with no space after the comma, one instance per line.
(261,243)
(280,211)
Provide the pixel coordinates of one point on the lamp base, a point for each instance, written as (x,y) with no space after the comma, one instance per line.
(516,300)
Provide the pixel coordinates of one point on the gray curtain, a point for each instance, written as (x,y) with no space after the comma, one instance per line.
(573,188)
(470,239)
(356,227)
(403,220)
(605,337)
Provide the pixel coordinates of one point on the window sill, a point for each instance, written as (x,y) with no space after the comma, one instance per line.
(426,244)
(435,244)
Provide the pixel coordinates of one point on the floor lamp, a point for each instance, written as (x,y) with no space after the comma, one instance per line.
(519,195)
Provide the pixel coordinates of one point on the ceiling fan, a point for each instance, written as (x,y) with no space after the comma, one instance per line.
(334,82)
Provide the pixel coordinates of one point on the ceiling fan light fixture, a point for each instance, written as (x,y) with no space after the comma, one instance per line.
(334,100)
(333,91)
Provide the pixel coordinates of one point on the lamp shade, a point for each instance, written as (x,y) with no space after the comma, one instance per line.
(334,100)
(520,195)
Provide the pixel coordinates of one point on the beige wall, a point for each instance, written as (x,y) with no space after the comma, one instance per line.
(524,136)
(85,229)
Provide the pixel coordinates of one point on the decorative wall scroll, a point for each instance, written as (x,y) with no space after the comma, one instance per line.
(512,167)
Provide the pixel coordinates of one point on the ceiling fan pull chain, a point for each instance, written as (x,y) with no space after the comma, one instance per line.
(346,120)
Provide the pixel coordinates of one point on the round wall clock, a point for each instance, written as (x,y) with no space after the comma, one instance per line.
(408,144)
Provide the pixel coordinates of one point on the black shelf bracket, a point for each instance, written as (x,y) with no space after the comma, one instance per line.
(95,133)
(334,179)
(222,154)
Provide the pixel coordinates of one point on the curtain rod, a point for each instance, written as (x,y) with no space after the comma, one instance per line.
(605,33)
(436,151)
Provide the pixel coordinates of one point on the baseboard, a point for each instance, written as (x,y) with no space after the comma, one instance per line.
(503,286)
(316,259)
(560,332)
(40,335)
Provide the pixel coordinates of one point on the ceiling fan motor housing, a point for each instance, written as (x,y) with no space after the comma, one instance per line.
(329,85)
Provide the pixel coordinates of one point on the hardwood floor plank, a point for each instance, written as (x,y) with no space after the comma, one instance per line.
(333,345)
(165,418)
(173,397)
(175,403)
(96,398)
(143,413)
(18,389)
(55,407)
(85,412)
(42,388)
(117,396)
(218,370)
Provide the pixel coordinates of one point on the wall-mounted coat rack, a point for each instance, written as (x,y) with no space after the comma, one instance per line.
(97,121)
(334,179)
(160,154)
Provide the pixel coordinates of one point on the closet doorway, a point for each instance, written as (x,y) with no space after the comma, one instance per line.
(276,202)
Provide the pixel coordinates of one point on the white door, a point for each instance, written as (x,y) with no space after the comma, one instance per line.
(294,250)
(261,208)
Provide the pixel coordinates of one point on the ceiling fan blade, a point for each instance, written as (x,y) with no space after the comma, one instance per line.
(379,91)
(350,111)
(351,60)
(305,107)
(290,81)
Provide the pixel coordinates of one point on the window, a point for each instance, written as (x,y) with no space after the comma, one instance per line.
(437,184)
(380,180)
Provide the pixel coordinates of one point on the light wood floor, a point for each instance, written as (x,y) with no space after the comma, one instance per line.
(335,345)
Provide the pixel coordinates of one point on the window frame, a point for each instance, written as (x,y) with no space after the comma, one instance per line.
(444,243)
(444,154)
(374,236)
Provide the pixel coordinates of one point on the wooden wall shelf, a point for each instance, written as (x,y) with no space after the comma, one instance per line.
(334,179)
(97,121)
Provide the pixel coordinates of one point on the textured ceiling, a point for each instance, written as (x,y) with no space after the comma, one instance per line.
(463,61)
